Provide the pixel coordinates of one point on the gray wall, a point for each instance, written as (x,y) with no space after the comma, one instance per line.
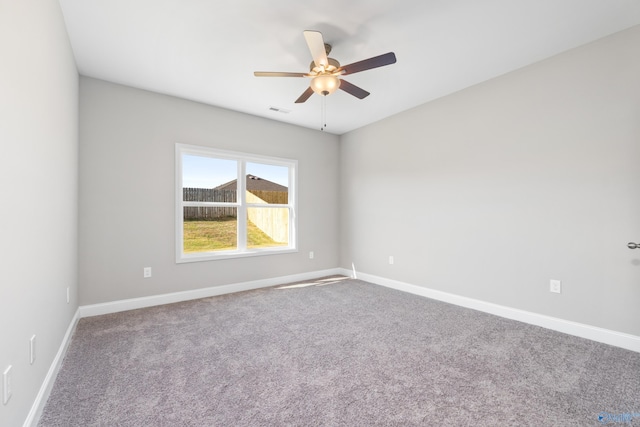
(127,214)
(38,188)
(491,192)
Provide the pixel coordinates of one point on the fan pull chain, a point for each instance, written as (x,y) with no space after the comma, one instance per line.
(323,113)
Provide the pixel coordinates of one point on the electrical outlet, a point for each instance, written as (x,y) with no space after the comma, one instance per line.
(68,295)
(555,286)
(6,385)
(311,255)
(32,349)
(391,260)
(147,272)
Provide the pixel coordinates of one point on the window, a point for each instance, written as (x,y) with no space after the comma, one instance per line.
(231,204)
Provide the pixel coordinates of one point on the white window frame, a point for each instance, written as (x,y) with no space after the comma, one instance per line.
(241,204)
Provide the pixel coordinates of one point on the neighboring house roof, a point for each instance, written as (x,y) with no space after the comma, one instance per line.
(254,183)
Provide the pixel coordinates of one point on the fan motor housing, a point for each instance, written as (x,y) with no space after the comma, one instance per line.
(332,62)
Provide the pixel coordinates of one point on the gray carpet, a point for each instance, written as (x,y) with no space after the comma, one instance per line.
(335,353)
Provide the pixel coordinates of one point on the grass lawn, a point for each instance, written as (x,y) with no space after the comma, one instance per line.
(203,236)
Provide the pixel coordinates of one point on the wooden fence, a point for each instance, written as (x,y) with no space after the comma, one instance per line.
(193,213)
(272,197)
(199,213)
(274,222)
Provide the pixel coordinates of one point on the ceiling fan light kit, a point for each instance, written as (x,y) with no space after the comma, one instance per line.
(325,84)
(325,72)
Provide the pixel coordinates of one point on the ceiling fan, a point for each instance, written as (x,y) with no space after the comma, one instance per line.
(325,72)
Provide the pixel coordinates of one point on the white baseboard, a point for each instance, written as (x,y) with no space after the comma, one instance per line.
(45,389)
(606,336)
(150,301)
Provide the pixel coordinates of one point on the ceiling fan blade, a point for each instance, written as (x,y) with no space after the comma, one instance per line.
(316,47)
(307,93)
(277,74)
(367,64)
(353,89)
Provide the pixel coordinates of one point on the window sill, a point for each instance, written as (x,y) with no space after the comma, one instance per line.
(217,256)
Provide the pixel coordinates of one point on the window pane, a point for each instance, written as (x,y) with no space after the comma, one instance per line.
(219,222)
(218,233)
(267,227)
(267,184)
(206,179)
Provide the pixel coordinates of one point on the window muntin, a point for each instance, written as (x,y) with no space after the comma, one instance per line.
(231,204)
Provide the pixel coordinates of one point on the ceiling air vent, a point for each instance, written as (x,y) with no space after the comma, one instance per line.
(279,110)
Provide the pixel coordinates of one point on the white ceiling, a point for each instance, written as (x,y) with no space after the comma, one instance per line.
(207,50)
